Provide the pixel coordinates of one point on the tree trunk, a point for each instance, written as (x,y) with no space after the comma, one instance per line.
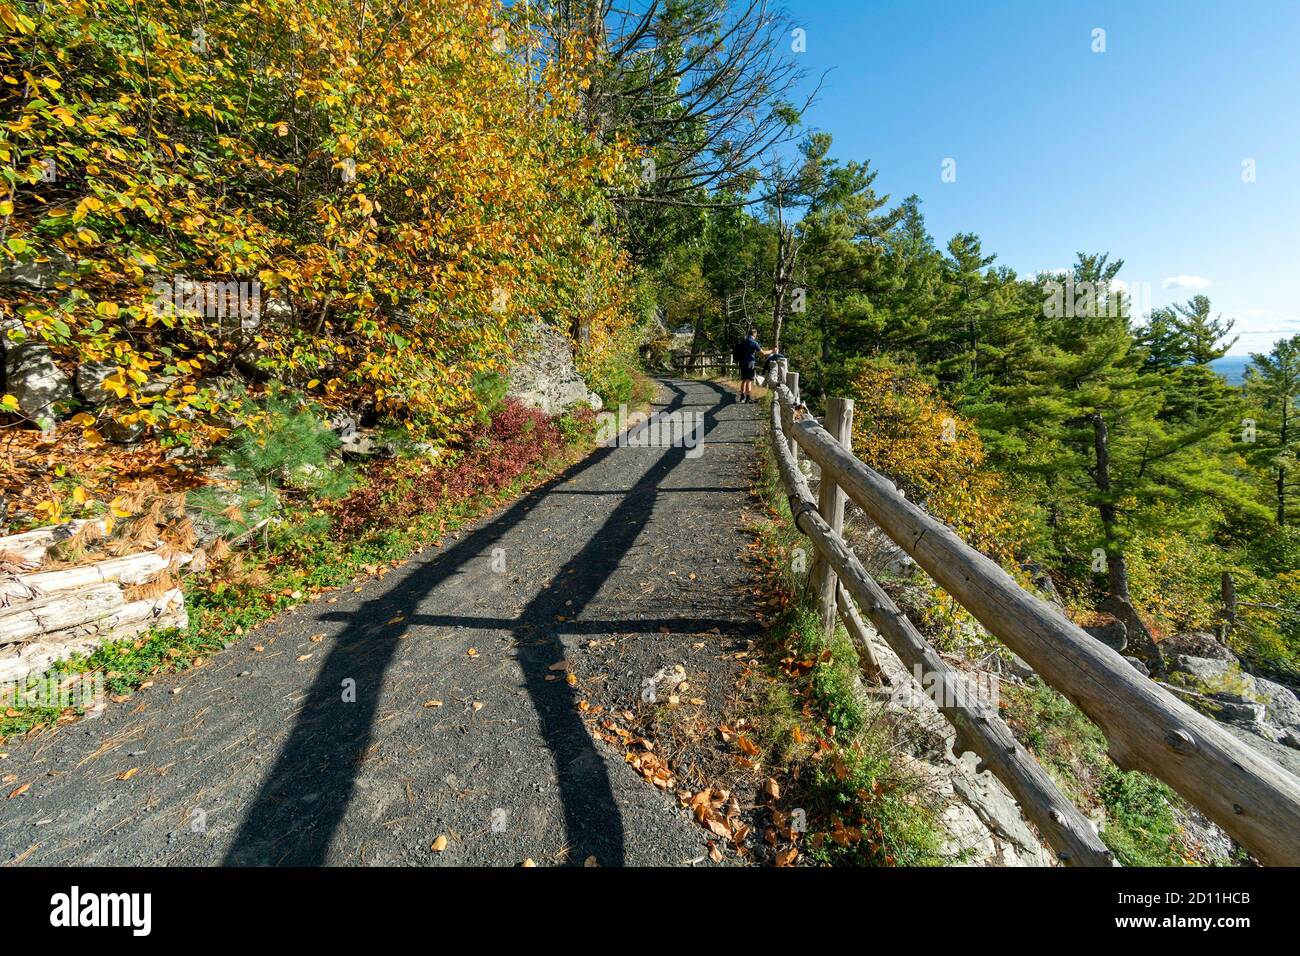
(778,277)
(1281,467)
(1116,566)
(1118,602)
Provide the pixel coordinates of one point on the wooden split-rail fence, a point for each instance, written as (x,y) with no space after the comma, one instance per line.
(1147,728)
(693,364)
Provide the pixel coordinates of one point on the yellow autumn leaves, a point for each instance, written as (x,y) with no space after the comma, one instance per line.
(406,196)
(906,430)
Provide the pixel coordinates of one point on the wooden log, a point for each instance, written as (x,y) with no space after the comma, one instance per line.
(130,569)
(58,612)
(792,383)
(1251,797)
(830,504)
(857,631)
(32,545)
(978,729)
(132,619)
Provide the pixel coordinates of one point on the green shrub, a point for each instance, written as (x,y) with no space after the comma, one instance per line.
(284,451)
(1140,825)
(490,389)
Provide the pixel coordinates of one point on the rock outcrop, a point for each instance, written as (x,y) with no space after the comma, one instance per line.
(43,391)
(980,818)
(1206,675)
(543,375)
(90,382)
(1196,644)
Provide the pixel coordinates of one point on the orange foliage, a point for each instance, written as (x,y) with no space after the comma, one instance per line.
(905,430)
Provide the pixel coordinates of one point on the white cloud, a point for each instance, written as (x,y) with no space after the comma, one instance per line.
(1185,282)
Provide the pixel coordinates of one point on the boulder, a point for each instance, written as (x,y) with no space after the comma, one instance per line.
(274,310)
(1249,717)
(90,382)
(543,375)
(1196,644)
(1213,674)
(1280,702)
(1222,680)
(360,446)
(121,433)
(53,269)
(1139,666)
(32,377)
(344,424)
(1110,630)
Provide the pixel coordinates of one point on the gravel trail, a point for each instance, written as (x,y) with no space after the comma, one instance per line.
(333,752)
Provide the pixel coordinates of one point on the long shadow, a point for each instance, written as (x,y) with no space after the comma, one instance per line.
(302,801)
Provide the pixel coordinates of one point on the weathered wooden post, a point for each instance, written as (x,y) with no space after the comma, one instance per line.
(830,504)
(792,382)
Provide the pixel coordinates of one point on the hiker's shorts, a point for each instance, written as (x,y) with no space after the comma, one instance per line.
(747,372)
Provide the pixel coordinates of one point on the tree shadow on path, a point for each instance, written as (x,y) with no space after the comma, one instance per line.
(302,801)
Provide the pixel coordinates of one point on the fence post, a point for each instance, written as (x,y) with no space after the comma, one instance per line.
(830,505)
(792,382)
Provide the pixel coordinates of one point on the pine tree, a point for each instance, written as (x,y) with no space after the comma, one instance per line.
(1273,386)
(1096,427)
(1204,336)
(968,304)
(1163,340)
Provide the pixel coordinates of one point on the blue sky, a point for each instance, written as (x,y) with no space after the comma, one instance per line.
(1137,151)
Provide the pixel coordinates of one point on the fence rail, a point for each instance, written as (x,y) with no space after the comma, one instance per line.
(1250,796)
(699,363)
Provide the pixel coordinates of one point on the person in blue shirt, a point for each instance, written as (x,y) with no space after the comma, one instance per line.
(746,353)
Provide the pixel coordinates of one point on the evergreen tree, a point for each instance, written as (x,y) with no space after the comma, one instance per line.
(1164,340)
(968,304)
(1204,336)
(1093,417)
(1273,386)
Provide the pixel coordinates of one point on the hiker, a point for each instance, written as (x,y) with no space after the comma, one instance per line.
(746,354)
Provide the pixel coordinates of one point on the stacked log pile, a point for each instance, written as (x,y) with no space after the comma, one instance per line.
(48,615)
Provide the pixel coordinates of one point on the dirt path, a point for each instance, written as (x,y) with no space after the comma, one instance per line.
(625,564)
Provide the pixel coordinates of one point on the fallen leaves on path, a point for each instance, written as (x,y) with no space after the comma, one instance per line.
(718,811)
(651,766)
